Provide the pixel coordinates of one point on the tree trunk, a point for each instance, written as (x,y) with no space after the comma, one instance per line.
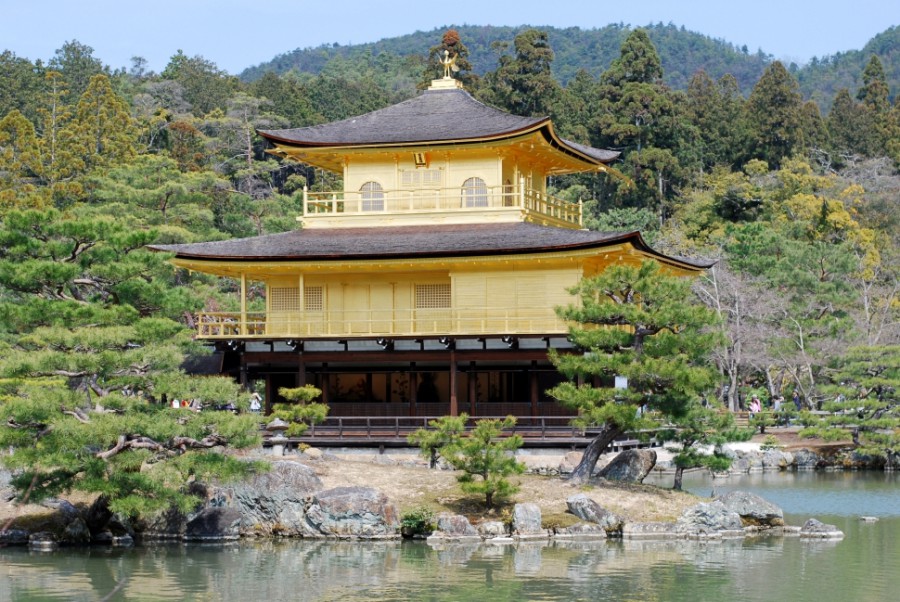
(597,446)
(679,476)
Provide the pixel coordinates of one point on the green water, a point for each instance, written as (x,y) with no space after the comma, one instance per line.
(861,567)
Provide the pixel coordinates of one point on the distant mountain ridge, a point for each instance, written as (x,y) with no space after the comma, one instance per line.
(683,52)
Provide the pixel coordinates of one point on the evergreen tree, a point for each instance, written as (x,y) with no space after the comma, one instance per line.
(862,388)
(694,432)
(774,112)
(637,113)
(300,409)
(90,356)
(523,84)
(20,164)
(715,109)
(847,125)
(206,87)
(102,131)
(21,85)
(874,92)
(443,432)
(486,459)
(78,65)
(636,323)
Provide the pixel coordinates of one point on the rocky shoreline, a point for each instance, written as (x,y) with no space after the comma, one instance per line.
(291,501)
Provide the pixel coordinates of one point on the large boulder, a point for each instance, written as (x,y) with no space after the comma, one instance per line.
(213,524)
(353,512)
(753,510)
(14,537)
(76,532)
(805,459)
(492,528)
(589,510)
(631,466)
(454,526)
(581,530)
(273,502)
(652,530)
(774,459)
(705,519)
(526,519)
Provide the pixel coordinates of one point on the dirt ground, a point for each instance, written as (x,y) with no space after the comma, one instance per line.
(410,487)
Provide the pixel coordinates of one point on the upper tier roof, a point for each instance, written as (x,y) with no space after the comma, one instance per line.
(433,117)
(408,242)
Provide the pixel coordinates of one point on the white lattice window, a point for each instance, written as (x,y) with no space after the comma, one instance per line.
(421,178)
(474,193)
(313,298)
(284,298)
(372,197)
(432,296)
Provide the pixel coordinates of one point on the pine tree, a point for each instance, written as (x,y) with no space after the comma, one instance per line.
(636,323)
(486,459)
(862,388)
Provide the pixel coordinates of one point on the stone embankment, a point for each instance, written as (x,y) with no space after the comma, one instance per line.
(291,501)
(735,515)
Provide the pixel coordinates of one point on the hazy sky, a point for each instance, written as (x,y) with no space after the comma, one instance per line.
(236,34)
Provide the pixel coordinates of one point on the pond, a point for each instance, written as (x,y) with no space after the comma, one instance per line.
(861,567)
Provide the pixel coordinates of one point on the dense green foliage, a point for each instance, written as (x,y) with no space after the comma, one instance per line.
(638,324)
(682,53)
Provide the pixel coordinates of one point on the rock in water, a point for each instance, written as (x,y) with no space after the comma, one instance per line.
(753,510)
(713,517)
(587,509)
(526,519)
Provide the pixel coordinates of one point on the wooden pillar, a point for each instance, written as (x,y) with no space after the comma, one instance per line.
(301,370)
(454,404)
(244,307)
(534,388)
(325,384)
(413,388)
(472,392)
(242,375)
(270,392)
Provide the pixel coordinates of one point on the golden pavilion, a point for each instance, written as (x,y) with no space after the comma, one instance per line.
(427,285)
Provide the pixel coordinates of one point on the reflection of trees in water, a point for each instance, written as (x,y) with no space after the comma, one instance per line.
(349,571)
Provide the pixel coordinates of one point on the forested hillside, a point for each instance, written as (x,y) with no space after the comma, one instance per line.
(800,210)
(683,53)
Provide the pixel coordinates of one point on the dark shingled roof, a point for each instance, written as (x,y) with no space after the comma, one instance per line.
(410,241)
(433,116)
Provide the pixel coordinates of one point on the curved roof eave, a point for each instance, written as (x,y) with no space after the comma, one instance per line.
(634,238)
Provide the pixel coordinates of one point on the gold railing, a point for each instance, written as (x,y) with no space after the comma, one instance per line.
(395,322)
(440,199)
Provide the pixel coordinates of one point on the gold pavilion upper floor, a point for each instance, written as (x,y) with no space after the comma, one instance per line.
(443,228)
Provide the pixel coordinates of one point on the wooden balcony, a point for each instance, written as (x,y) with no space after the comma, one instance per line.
(376,323)
(442,202)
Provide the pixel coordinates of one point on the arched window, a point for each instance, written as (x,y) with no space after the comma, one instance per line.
(372,197)
(474,193)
